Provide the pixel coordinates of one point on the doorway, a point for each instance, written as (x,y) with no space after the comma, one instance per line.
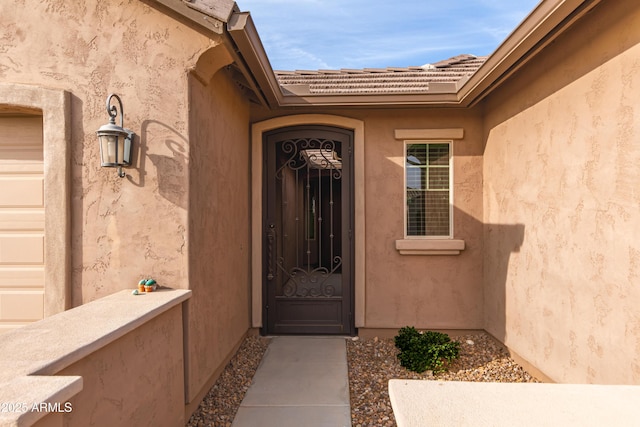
(308,231)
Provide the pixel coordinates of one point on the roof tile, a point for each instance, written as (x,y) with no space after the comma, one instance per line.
(390,80)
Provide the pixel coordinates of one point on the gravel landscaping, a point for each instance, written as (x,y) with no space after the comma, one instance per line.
(219,406)
(372,363)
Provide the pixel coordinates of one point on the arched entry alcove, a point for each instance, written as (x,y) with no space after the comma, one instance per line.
(311,121)
(218,216)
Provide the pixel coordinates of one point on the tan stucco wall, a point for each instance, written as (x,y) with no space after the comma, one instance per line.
(136,380)
(181,214)
(91,49)
(439,292)
(219,225)
(561,169)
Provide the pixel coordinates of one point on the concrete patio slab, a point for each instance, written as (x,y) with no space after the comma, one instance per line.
(300,381)
(419,403)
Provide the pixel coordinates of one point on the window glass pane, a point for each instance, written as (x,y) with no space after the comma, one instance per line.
(437,213)
(415,213)
(439,154)
(416,178)
(427,190)
(416,155)
(438,178)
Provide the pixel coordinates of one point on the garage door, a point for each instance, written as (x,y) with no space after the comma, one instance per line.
(21,221)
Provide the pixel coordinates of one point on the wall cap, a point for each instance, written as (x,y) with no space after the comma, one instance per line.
(31,355)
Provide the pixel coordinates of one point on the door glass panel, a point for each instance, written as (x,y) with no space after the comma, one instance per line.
(308,211)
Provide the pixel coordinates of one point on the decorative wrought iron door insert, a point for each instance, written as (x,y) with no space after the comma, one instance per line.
(307,243)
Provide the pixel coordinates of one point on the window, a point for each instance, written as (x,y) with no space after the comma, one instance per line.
(428,189)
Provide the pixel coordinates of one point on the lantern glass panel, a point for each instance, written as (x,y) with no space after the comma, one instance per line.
(120,151)
(108,149)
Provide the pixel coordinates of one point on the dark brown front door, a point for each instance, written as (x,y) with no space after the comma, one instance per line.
(307,263)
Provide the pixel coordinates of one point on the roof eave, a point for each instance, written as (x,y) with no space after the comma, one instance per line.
(215,17)
(543,25)
(209,15)
(435,93)
(243,32)
(373,100)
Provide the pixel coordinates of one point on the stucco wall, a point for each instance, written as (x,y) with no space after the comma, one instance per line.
(93,48)
(136,380)
(441,292)
(219,225)
(561,163)
(181,214)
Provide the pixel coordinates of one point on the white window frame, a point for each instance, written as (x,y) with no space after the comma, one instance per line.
(451,180)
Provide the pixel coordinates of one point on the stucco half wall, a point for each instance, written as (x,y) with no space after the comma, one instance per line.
(257,129)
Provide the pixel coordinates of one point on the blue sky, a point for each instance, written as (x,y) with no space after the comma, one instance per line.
(334,34)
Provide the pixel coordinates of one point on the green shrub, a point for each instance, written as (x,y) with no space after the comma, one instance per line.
(404,337)
(421,351)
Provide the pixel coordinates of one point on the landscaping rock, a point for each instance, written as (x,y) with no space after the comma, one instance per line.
(373,362)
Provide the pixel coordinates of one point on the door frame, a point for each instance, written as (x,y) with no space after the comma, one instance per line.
(55,108)
(257,130)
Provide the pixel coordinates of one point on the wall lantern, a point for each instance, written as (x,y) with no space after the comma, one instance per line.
(115,141)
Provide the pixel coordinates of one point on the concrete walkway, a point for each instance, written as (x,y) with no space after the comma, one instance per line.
(301,381)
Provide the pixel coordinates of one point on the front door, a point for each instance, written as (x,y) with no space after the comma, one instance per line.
(308,254)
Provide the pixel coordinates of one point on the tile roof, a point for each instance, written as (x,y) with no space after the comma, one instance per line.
(443,76)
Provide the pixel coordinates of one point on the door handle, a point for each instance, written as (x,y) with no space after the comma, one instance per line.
(271,247)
